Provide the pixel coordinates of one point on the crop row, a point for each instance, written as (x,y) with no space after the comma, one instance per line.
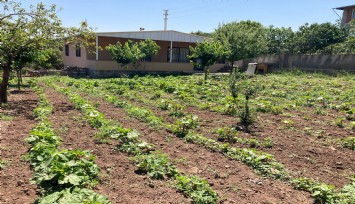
(263,163)
(298,90)
(148,160)
(64,176)
(275,93)
(134,91)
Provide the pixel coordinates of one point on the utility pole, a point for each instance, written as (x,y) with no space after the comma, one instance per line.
(166,19)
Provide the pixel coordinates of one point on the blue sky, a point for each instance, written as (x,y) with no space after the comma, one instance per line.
(193,15)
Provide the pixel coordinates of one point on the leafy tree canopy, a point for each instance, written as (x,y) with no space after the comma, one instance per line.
(35,28)
(244,39)
(206,54)
(133,52)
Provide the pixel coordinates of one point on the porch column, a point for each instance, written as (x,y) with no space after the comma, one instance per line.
(97,48)
(171,51)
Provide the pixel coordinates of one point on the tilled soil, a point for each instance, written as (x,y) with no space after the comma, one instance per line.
(15,186)
(118,179)
(234,181)
(303,155)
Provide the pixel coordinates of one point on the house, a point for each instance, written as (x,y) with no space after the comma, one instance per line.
(172,56)
(348,14)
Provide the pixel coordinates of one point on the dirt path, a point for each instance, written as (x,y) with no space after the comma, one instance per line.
(15,177)
(234,181)
(118,178)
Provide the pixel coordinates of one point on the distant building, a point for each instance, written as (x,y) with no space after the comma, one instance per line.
(348,14)
(172,56)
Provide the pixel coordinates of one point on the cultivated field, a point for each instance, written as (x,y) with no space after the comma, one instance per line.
(179,139)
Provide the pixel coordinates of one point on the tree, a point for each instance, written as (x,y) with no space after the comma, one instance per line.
(206,54)
(244,39)
(280,40)
(314,37)
(201,33)
(149,48)
(36,28)
(26,56)
(133,52)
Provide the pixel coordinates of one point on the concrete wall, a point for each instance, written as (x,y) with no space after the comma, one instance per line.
(107,68)
(73,61)
(324,63)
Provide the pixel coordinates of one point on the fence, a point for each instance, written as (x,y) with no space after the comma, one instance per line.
(322,63)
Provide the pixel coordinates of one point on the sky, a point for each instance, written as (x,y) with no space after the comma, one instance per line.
(193,15)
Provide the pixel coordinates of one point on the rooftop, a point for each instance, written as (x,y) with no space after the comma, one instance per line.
(344,7)
(162,35)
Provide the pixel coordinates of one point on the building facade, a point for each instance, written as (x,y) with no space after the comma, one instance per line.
(348,14)
(172,56)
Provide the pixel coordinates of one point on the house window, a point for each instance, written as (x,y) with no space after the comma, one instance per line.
(78,50)
(66,50)
(353,14)
(179,54)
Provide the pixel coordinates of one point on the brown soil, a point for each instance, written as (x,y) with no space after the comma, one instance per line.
(234,181)
(302,155)
(315,156)
(15,177)
(118,178)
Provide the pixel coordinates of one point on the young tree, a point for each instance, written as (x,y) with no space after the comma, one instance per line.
(37,28)
(133,52)
(206,54)
(149,48)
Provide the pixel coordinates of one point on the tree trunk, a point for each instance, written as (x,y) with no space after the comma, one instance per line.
(206,73)
(18,79)
(5,80)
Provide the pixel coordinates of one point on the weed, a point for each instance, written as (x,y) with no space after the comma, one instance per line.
(339,122)
(268,142)
(2,164)
(288,123)
(348,142)
(5,117)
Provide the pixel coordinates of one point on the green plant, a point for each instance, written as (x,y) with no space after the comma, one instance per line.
(322,193)
(176,110)
(339,122)
(5,117)
(182,126)
(66,168)
(268,142)
(156,165)
(164,104)
(227,135)
(348,142)
(288,123)
(196,188)
(247,116)
(43,132)
(352,125)
(2,164)
(234,77)
(74,195)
